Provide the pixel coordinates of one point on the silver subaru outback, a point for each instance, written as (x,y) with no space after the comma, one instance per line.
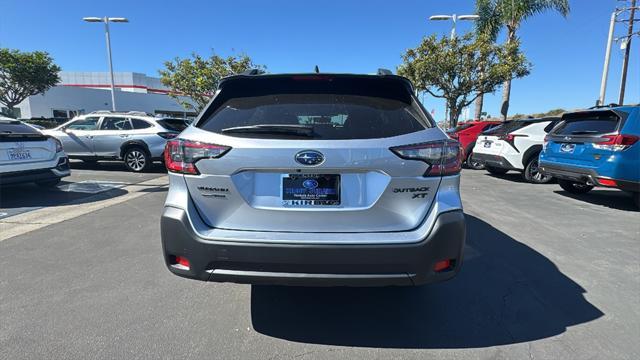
(314,180)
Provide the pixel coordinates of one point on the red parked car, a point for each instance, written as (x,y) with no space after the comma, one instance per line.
(467,134)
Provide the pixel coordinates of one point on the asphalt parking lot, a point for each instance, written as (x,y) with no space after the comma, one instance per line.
(546,275)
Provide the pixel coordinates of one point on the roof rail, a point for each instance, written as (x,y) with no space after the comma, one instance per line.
(252,72)
(138,113)
(383,72)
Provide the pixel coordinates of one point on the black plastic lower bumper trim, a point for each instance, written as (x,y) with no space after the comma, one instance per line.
(314,265)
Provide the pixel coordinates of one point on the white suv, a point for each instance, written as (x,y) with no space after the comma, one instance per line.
(135,137)
(515,145)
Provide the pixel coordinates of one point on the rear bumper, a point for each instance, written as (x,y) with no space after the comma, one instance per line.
(584,175)
(313,265)
(495,161)
(20,177)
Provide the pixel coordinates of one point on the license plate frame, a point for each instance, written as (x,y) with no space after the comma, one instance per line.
(310,190)
(567,148)
(18,154)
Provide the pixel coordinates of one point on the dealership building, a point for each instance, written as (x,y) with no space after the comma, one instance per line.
(84,92)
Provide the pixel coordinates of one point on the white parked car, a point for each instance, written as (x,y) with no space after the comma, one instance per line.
(27,155)
(515,145)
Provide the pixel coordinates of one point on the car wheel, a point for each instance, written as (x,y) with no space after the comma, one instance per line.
(532,173)
(574,187)
(48,183)
(495,171)
(136,159)
(636,199)
(474,164)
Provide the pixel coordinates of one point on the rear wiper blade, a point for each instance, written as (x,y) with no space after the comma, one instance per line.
(299,130)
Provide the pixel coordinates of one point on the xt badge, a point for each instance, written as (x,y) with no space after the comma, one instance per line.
(417,192)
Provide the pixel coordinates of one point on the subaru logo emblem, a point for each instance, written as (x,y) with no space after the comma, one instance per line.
(310,184)
(309,157)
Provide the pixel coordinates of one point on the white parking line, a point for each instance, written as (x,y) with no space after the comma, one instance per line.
(33,220)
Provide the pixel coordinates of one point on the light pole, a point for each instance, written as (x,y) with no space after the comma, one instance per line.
(607,57)
(454,18)
(106,21)
(627,50)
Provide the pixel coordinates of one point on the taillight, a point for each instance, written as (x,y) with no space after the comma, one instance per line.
(180,156)
(168,135)
(443,156)
(615,142)
(59,147)
(545,142)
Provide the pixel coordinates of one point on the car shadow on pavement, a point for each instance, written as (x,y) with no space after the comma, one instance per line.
(155,168)
(506,293)
(28,196)
(610,198)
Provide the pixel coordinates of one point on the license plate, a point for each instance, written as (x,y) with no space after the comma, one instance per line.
(487,144)
(15,154)
(567,148)
(310,189)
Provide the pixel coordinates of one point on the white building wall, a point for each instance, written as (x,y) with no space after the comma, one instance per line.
(128,81)
(88,100)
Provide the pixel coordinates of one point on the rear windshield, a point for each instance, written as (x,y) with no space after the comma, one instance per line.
(326,110)
(16,127)
(587,124)
(174,124)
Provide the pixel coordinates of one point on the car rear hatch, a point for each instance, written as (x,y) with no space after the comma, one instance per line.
(581,138)
(314,153)
(22,145)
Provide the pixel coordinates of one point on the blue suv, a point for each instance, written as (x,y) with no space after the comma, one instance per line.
(597,147)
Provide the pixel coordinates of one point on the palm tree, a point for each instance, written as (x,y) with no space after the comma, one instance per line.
(496,14)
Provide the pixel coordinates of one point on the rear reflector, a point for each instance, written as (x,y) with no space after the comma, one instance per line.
(443,156)
(181,262)
(442,265)
(607,182)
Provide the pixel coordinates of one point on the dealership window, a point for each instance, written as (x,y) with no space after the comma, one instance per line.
(15,113)
(66,114)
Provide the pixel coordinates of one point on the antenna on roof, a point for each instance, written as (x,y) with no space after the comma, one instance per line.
(384,72)
(317,69)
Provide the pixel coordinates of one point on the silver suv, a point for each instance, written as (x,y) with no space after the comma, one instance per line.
(135,137)
(314,179)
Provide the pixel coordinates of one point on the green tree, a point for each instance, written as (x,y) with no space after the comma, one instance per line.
(459,69)
(23,74)
(198,77)
(496,14)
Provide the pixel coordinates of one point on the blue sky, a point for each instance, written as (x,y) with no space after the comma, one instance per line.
(338,36)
